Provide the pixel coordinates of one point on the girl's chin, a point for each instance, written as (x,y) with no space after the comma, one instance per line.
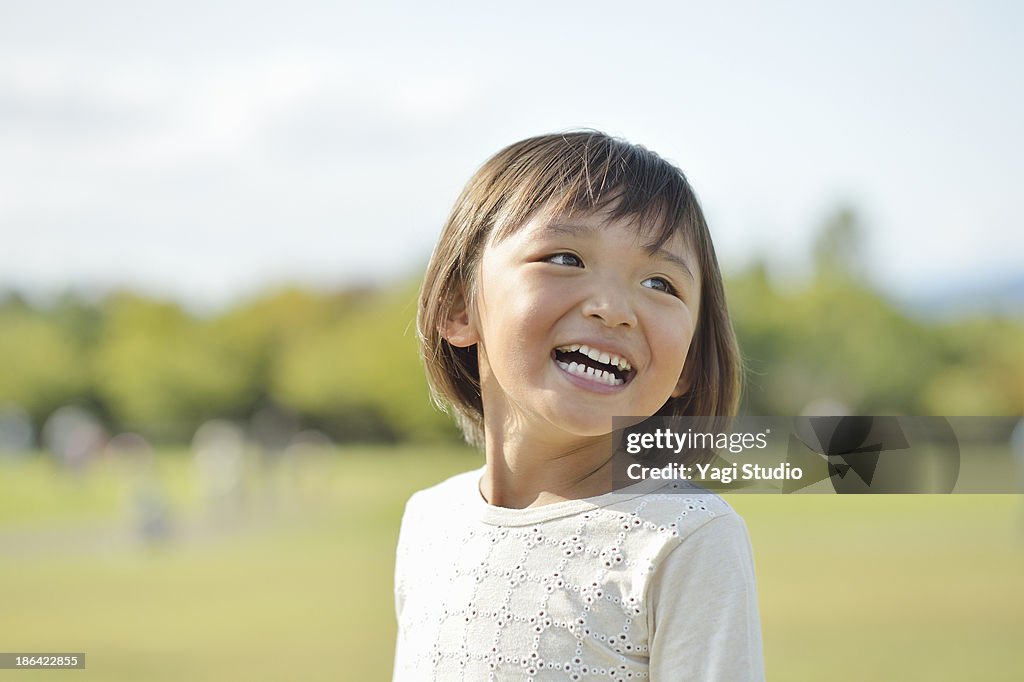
(583,427)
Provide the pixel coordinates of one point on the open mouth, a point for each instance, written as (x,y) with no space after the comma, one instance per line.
(594,364)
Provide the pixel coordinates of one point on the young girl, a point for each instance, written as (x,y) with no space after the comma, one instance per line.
(574,281)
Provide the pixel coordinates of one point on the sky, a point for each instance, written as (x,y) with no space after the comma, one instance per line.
(209,151)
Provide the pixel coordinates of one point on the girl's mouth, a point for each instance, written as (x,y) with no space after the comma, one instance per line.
(593,364)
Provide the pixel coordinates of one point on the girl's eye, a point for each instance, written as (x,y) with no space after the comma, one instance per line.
(566,259)
(659,284)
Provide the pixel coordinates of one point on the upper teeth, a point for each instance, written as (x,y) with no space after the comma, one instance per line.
(599,356)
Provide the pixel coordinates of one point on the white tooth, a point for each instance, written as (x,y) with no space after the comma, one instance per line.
(572,366)
(614,360)
(593,354)
(604,358)
(618,382)
(585,350)
(574,347)
(563,365)
(604,376)
(590,371)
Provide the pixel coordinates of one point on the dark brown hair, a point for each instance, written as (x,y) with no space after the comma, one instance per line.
(581,171)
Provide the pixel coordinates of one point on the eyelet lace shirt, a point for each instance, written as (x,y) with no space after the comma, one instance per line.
(656,583)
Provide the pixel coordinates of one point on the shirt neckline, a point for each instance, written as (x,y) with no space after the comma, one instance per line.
(505,516)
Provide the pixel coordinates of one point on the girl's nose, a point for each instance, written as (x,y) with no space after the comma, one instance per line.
(611,306)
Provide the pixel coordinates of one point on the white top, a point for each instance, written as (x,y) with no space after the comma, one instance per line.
(637,584)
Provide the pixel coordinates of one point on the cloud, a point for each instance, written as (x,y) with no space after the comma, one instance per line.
(242,170)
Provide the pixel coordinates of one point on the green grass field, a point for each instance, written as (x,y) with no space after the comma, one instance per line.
(294,581)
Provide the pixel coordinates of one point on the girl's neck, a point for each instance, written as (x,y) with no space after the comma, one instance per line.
(523,473)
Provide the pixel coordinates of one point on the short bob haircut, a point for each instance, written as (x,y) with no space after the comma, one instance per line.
(558,174)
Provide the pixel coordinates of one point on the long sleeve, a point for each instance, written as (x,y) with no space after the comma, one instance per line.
(704,620)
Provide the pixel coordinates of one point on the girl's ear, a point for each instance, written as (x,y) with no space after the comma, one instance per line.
(458,328)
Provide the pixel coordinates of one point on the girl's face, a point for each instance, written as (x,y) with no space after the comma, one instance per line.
(576,321)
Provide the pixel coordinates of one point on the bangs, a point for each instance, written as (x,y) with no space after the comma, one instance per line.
(586,172)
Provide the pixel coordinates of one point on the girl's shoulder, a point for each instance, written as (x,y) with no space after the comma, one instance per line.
(460,490)
(672,512)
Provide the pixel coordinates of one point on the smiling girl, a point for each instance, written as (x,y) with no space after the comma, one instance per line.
(574,281)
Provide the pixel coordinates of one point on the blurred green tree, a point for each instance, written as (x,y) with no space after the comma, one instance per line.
(41,367)
(162,372)
(364,364)
(834,339)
